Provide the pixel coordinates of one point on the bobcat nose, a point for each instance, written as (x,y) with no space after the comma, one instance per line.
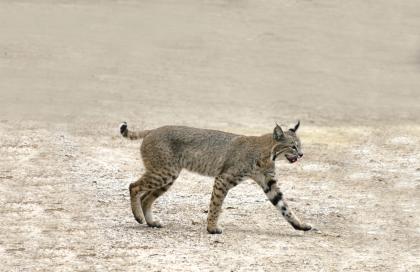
(300,155)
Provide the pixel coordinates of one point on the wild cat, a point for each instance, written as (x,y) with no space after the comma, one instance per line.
(230,158)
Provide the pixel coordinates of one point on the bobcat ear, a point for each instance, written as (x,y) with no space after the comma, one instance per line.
(296,127)
(278,133)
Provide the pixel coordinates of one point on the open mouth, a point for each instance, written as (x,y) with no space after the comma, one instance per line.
(292,159)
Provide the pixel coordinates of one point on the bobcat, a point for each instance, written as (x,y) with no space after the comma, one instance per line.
(230,158)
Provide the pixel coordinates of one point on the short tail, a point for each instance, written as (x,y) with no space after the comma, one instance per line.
(132,135)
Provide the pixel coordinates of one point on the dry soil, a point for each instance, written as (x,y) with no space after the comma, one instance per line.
(71,71)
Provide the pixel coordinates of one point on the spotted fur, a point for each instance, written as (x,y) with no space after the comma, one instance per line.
(230,158)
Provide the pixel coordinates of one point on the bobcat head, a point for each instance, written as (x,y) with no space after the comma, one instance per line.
(287,144)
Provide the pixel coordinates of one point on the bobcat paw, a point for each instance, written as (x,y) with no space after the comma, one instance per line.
(214,230)
(306,227)
(139,219)
(154,224)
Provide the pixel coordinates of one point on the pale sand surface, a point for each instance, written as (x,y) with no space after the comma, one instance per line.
(71,71)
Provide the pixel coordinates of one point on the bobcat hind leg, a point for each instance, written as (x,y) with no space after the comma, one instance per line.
(141,188)
(147,201)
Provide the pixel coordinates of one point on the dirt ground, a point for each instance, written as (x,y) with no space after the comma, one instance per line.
(71,71)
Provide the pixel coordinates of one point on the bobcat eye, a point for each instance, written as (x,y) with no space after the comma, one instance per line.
(295,148)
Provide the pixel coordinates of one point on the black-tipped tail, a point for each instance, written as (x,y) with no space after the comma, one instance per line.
(132,135)
(123,129)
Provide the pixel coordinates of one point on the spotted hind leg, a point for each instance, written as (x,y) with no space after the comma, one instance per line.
(147,201)
(135,202)
(149,182)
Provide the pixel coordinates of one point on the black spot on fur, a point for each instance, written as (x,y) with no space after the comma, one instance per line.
(277,198)
(269,184)
(233,183)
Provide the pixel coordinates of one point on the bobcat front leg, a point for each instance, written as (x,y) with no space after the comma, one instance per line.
(275,196)
(222,184)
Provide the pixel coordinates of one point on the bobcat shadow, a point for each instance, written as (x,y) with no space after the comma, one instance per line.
(280,232)
(174,228)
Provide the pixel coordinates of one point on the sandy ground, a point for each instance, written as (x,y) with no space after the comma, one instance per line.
(71,71)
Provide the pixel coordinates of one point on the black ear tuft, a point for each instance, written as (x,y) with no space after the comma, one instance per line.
(296,127)
(278,133)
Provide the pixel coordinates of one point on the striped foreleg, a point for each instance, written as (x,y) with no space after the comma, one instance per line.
(276,198)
